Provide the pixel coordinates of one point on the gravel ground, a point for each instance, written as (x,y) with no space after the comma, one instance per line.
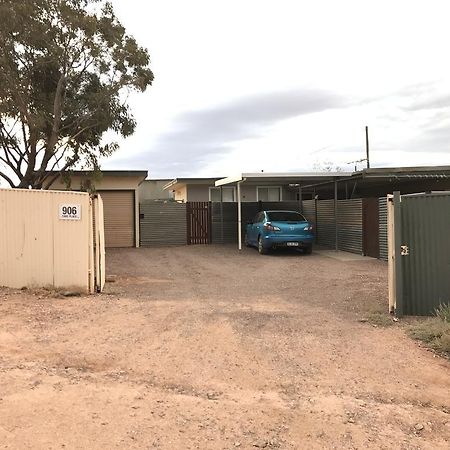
(202,347)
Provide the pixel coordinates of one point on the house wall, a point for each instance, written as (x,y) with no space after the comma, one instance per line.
(180,194)
(106,183)
(200,193)
(153,190)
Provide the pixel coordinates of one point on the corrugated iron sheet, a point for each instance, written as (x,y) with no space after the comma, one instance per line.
(37,247)
(350,226)
(309,210)
(224,223)
(326,226)
(426,266)
(162,223)
(383,232)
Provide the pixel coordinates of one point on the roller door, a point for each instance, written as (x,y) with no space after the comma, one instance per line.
(118,207)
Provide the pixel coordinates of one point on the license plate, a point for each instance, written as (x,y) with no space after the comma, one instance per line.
(292,244)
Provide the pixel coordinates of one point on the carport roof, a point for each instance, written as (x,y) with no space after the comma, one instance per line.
(285,177)
(310,179)
(172,184)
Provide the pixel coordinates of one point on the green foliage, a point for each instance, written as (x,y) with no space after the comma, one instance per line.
(66,68)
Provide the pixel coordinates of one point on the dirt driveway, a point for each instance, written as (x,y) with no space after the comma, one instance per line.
(199,347)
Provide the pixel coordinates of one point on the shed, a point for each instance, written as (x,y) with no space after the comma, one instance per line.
(119,190)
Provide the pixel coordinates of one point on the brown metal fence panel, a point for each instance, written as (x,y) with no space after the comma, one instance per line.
(198,220)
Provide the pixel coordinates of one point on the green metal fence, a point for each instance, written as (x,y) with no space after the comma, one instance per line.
(422,252)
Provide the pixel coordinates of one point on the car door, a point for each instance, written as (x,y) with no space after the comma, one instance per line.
(259,218)
(252,230)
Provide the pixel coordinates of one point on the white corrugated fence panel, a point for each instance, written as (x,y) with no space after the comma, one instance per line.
(37,247)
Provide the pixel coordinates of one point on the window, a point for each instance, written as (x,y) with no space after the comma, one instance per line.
(268,194)
(286,216)
(227,193)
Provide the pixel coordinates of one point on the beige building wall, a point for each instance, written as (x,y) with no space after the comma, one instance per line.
(37,247)
(180,193)
(107,183)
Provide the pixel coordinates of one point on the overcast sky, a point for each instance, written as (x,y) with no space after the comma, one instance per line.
(250,85)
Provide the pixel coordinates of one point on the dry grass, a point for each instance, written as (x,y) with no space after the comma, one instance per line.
(435,331)
(380,319)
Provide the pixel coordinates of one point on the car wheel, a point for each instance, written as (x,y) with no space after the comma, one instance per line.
(261,249)
(307,250)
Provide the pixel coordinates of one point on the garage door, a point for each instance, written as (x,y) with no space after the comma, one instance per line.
(118,207)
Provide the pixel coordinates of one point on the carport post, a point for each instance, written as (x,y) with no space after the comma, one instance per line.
(300,199)
(336,214)
(239,215)
(221,214)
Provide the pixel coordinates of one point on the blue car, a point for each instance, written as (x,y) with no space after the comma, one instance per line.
(274,229)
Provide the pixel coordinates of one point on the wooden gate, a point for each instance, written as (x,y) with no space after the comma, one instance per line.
(198,215)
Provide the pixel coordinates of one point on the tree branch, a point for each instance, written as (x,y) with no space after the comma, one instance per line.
(6,178)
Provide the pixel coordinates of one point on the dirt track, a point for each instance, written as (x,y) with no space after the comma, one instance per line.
(198,347)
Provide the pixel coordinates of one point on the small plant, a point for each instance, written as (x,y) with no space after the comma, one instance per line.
(443,312)
(435,332)
(380,319)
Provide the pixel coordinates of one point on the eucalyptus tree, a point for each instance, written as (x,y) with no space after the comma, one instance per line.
(66,70)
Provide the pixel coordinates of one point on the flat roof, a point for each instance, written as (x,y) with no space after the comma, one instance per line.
(193,180)
(284,177)
(317,178)
(118,173)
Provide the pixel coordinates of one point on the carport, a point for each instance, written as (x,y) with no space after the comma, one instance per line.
(296,186)
(349,210)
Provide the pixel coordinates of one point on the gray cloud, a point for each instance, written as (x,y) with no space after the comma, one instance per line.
(436,140)
(199,136)
(433,102)
(423,96)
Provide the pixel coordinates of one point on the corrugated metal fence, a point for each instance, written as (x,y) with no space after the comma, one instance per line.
(224,222)
(326,226)
(309,211)
(421,252)
(382,229)
(350,226)
(162,223)
(47,239)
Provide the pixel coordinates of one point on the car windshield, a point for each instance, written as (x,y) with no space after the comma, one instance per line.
(285,216)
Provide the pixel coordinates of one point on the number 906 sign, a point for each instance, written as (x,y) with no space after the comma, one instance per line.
(70,212)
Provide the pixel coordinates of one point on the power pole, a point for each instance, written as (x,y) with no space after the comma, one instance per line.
(367,147)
